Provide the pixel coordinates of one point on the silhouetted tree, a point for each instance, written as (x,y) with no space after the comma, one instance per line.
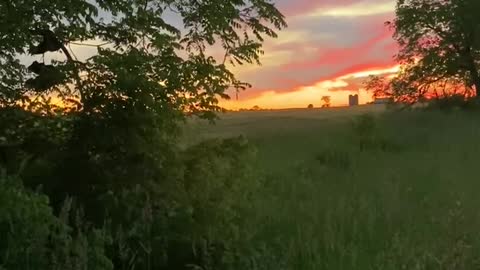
(439,48)
(310,106)
(326,101)
(379,86)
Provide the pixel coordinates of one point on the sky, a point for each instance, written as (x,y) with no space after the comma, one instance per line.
(329,48)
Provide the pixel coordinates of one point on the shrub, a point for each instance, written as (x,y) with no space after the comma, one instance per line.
(33,238)
(193,218)
(219,183)
(163,208)
(448,103)
(453,102)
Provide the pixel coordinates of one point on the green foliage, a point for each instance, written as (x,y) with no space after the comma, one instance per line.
(33,238)
(334,158)
(126,100)
(147,60)
(220,183)
(30,144)
(196,218)
(129,97)
(103,129)
(368,137)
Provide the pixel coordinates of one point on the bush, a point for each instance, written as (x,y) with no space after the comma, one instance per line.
(454,102)
(193,218)
(220,182)
(33,238)
(163,208)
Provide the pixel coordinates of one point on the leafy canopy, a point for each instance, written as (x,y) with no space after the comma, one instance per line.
(143,61)
(156,61)
(109,140)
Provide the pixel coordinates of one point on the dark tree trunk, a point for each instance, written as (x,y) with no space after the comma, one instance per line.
(477,86)
(475,78)
(472,68)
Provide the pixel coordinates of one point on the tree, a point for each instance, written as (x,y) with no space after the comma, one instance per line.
(378,85)
(310,106)
(440,47)
(326,101)
(106,125)
(146,72)
(137,49)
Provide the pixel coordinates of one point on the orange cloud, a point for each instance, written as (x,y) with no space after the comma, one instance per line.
(355,9)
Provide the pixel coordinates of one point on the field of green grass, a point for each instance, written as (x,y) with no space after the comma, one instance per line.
(282,136)
(364,188)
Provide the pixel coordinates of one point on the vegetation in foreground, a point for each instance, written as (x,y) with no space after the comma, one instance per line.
(96,180)
(377,191)
(101,182)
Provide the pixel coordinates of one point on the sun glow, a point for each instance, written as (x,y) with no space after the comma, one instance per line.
(364,74)
(337,88)
(354,10)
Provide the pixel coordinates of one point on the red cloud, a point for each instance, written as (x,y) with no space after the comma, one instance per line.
(391,47)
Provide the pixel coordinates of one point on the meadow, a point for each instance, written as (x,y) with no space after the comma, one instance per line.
(362,188)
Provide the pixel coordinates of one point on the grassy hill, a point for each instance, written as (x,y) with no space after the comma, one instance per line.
(282,136)
(258,124)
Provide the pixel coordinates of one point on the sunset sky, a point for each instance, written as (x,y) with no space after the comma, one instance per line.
(328,49)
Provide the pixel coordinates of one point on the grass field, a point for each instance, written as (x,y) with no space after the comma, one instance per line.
(348,191)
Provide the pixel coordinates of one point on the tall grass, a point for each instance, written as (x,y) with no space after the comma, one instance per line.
(396,191)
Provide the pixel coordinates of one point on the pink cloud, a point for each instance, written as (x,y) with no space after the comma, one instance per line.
(297,7)
(333,56)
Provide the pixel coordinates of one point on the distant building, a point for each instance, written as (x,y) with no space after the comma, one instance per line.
(352,100)
(383,100)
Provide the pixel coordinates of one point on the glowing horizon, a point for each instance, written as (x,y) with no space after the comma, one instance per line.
(305,95)
(330,47)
